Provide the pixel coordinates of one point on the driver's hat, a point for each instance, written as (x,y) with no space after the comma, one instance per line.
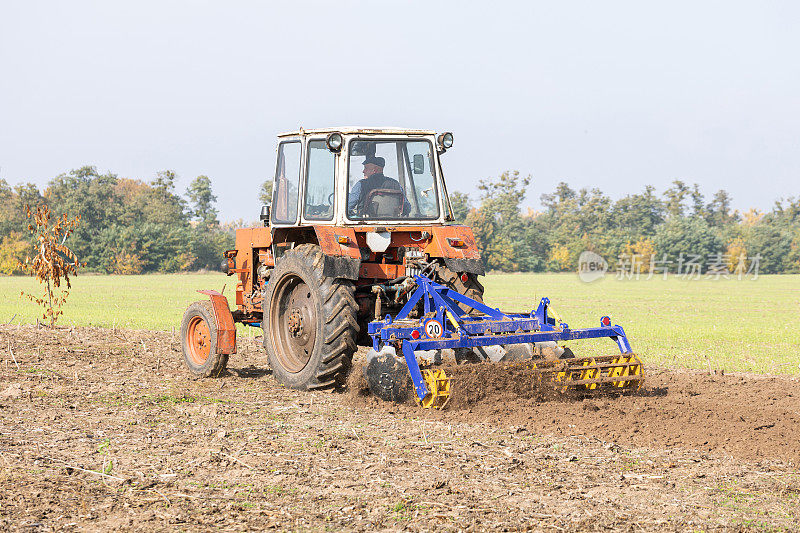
(378,161)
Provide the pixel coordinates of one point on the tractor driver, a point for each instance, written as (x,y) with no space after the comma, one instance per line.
(373,179)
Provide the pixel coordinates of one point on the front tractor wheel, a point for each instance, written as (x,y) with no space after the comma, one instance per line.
(199,341)
(309,322)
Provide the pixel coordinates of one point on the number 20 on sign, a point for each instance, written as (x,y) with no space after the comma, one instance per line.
(433,329)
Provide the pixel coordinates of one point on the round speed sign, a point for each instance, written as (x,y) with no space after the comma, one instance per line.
(433,329)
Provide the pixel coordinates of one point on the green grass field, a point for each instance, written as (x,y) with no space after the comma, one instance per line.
(735,325)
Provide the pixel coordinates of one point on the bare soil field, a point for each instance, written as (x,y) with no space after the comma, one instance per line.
(103,428)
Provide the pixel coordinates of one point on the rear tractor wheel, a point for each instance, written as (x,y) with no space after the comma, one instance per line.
(309,322)
(462,282)
(199,341)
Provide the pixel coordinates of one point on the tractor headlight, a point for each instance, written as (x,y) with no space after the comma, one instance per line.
(445,140)
(334,142)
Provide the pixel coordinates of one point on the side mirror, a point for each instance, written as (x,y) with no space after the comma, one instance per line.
(264,216)
(419,164)
(229,264)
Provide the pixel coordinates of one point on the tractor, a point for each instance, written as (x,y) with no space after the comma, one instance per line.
(359,247)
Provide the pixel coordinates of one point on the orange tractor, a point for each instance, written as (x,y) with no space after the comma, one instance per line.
(360,219)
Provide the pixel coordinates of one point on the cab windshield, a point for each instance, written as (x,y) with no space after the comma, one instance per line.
(391,180)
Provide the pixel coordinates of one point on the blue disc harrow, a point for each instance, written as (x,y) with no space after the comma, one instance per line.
(397,343)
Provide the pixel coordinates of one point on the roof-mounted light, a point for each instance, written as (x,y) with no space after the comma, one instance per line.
(335,141)
(445,140)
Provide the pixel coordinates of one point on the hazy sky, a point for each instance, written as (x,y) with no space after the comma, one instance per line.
(609,94)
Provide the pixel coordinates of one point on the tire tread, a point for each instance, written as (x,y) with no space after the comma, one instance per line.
(339,322)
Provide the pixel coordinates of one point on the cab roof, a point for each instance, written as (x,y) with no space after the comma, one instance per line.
(355,130)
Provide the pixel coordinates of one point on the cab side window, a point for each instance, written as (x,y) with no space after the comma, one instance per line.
(287,184)
(321,168)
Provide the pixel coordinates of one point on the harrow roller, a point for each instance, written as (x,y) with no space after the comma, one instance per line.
(438,385)
(594,373)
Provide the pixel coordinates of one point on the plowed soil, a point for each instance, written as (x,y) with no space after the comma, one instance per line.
(746,416)
(105,429)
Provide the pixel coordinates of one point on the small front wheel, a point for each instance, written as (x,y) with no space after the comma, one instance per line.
(199,341)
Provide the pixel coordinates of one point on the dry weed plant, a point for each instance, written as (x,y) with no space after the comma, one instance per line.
(54,262)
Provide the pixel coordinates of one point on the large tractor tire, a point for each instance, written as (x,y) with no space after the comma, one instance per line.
(309,322)
(199,341)
(470,288)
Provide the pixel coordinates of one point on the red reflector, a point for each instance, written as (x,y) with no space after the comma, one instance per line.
(415,334)
(464,278)
(605,321)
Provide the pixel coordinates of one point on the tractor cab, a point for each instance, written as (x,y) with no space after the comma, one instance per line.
(359,176)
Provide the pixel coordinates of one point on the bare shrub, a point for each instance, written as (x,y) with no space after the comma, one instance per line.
(54,262)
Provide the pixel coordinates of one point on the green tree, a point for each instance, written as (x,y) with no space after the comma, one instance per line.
(785,215)
(7,210)
(675,197)
(687,238)
(698,202)
(26,194)
(265,192)
(92,196)
(154,247)
(639,214)
(562,195)
(202,201)
(461,206)
(498,224)
(719,213)
(773,243)
(535,244)
(85,192)
(207,247)
(575,221)
(161,205)
(6,196)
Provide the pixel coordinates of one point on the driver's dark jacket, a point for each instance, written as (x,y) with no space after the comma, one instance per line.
(361,190)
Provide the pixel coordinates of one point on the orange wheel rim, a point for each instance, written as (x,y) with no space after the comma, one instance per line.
(198,339)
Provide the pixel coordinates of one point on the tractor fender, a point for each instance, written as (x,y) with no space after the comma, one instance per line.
(463,258)
(342,257)
(226,327)
(470,266)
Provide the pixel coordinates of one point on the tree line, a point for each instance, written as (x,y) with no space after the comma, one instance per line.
(130,226)
(127,226)
(665,230)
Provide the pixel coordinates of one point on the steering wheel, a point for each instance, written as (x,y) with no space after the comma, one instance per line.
(320,209)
